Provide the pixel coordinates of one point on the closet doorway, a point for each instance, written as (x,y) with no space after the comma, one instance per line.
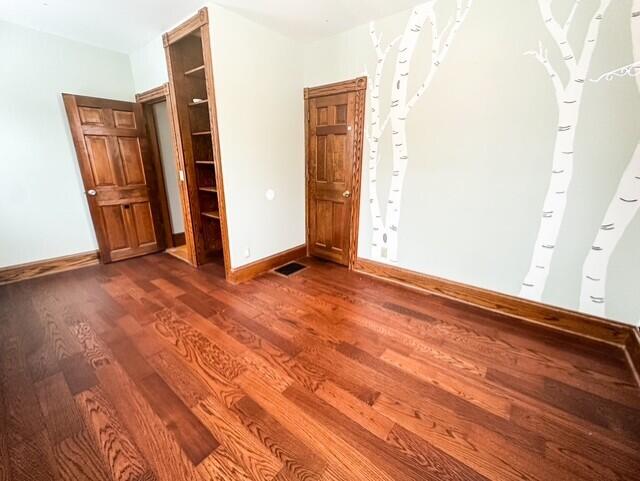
(184,110)
(157,111)
(195,123)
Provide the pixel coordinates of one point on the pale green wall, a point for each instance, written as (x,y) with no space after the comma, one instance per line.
(43,209)
(481,142)
(259,96)
(149,65)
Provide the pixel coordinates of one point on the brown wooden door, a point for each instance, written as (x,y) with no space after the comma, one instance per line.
(330,175)
(117,170)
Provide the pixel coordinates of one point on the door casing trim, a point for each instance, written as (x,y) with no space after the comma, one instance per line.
(147,99)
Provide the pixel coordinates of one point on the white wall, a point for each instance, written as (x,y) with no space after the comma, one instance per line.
(170,170)
(149,66)
(259,93)
(43,210)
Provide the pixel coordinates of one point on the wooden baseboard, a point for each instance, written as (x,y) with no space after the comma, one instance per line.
(250,271)
(50,266)
(575,323)
(565,320)
(179,239)
(633,352)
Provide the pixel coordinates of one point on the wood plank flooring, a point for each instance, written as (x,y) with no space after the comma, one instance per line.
(151,370)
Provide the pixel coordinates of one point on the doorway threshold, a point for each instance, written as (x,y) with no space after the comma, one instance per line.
(179,252)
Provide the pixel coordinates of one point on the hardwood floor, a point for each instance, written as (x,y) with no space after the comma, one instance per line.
(151,370)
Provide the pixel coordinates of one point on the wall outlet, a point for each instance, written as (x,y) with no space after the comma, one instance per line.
(247,253)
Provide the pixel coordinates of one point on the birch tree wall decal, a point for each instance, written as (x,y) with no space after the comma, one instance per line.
(623,206)
(376,129)
(384,244)
(569,98)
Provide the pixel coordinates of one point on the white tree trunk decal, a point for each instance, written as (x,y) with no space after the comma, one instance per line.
(623,206)
(377,127)
(569,98)
(384,245)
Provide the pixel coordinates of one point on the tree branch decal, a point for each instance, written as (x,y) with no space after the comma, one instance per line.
(542,56)
(623,207)
(631,70)
(569,99)
(384,245)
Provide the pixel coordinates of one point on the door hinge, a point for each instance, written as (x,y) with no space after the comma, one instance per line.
(308,116)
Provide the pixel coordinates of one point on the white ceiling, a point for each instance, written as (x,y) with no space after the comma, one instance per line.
(125,25)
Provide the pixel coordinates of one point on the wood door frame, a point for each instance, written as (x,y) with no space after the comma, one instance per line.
(147,99)
(359,86)
(200,22)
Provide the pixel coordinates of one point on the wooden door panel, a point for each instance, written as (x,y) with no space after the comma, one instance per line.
(339,219)
(341,114)
(338,151)
(323,232)
(132,164)
(115,226)
(330,173)
(322,114)
(91,116)
(132,235)
(331,228)
(124,120)
(100,161)
(143,221)
(329,103)
(117,171)
(320,159)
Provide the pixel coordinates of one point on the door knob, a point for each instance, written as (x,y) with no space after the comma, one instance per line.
(346,194)
(91,192)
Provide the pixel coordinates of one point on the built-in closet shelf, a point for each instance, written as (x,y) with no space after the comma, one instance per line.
(206,162)
(199,102)
(208,189)
(198,71)
(211,215)
(207,132)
